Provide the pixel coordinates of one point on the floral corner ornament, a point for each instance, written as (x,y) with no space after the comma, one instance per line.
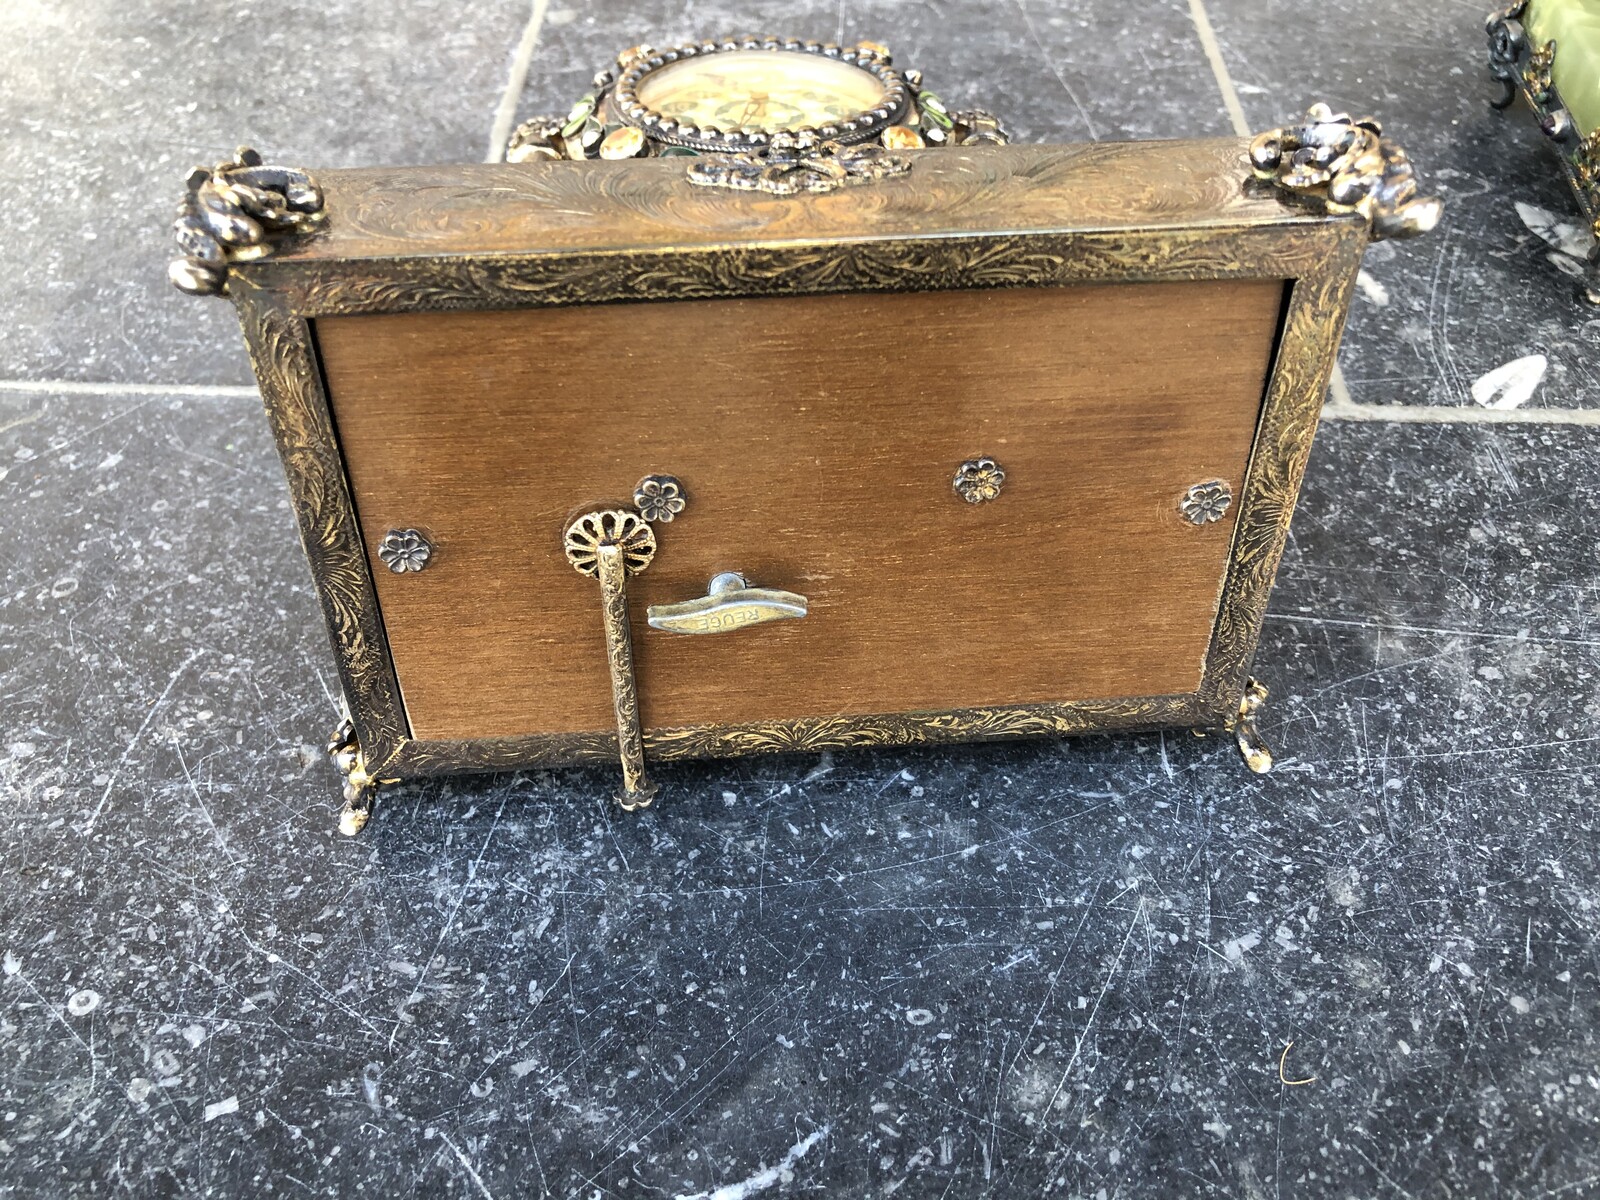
(792,164)
(979,480)
(1349,166)
(405,550)
(231,212)
(659,498)
(1206,502)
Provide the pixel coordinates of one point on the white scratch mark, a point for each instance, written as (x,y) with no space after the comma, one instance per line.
(134,741)
(1372,289)
(1512,384)
(456,1150)
(25,419)
(444,932)
(1138,911)
(762,1180)
(1056,71)
(193,787)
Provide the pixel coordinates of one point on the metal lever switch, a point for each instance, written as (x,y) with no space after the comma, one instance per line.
(729,604)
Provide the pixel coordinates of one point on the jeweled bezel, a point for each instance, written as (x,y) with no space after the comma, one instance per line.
(858,127)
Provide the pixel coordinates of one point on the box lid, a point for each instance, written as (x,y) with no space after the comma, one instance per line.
(565,207)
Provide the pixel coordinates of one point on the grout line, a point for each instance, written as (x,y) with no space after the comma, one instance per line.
(505,115)
(1208,42)
(1340,395)
(1432,630)
(1230,100)
(1450,414)
(78,387)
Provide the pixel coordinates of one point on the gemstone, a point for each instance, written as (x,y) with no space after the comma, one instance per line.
(625,142)
(902,137)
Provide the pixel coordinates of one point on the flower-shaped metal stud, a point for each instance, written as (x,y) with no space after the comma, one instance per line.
(659,497)
(979,480)
(405,550)
(1206,502)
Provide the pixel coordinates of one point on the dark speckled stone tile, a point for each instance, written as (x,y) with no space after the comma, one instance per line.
(1085,72)
(105,107)
(1482,290)
(1041,968)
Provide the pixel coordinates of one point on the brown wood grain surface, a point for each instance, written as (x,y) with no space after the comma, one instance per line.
(817,437)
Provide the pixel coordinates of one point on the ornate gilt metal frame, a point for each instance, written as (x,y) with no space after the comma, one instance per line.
(280,297)
(1522,68)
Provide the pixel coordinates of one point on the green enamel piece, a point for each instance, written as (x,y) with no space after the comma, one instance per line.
(933,109)
(678,152)
(581,111)
(1574,26)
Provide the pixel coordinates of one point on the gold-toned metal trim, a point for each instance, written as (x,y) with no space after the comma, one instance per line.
(907,117)
(283,354)
(1257,754)
(360,788)
(791,166)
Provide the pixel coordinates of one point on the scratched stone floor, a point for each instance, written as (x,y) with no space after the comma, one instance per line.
(1036,969)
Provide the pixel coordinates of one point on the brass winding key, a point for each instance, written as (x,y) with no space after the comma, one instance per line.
(610,545)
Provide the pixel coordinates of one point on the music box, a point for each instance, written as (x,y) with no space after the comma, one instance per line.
(768,404)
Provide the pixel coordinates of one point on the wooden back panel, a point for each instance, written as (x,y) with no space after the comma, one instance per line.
(817,437)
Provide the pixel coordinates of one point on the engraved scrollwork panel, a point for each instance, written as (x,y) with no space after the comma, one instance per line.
(812,734)
(291,385)
(320,288)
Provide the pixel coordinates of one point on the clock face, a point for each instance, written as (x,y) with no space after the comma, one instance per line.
(770,90)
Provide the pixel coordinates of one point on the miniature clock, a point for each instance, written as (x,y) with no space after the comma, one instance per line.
(781,105)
